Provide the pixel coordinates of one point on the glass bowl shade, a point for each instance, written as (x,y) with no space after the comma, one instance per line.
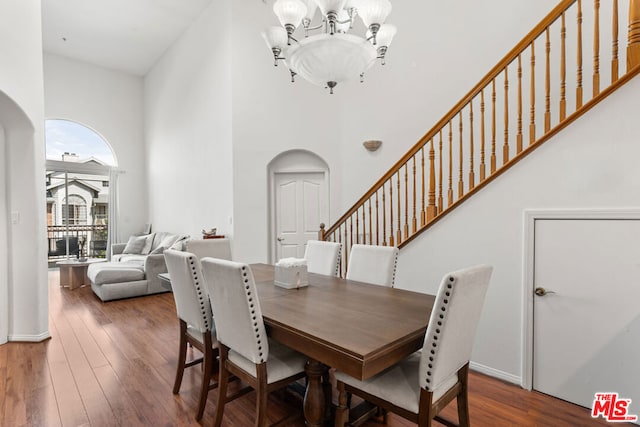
(331,58)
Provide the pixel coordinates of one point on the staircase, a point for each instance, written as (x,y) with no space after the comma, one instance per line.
(555,74)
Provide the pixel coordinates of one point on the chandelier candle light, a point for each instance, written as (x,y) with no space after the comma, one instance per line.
(333,55)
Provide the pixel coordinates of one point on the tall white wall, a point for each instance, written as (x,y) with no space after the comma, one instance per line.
(590,165)
(442,49)
(23,198)
(188,129)
(271,115)
(111,103)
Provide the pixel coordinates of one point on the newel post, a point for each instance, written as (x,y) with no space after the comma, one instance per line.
(321,232)
(633,47)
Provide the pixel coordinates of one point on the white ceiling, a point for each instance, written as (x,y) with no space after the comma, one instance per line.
(125,35)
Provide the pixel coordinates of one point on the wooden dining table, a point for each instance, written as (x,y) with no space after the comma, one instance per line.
(357,328)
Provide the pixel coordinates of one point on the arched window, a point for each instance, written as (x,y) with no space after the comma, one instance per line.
(71,141)
(80,165)
(74,210)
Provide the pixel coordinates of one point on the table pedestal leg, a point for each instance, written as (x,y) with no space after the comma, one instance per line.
(314,397)
(65,276)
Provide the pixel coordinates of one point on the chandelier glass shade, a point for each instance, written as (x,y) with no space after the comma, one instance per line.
(333,55)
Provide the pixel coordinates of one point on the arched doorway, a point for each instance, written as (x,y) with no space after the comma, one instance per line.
(23,290)
(79,174)
(298,199)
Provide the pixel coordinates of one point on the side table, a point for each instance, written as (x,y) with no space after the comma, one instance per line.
(73,273)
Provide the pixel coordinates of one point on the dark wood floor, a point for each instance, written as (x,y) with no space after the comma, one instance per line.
(112,364)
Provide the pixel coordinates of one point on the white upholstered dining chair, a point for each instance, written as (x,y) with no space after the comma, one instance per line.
(214,248)
(245,349)
(420,386)
(196,321)
(323,257)
(373,264)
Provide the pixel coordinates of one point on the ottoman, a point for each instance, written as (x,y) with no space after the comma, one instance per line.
(115,280)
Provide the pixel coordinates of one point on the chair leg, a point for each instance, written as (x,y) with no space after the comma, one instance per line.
(223,379)
(463,410)
(207,371)
(342,411)
(463,398)
(182,357)
(261,395)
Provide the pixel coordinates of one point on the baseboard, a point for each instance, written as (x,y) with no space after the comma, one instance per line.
(495,373)
(29,338)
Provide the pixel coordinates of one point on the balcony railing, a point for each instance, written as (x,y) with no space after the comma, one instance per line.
(95,237)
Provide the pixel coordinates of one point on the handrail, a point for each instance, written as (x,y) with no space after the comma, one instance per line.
(391,213)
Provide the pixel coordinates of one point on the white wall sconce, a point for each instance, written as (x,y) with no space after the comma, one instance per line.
(372,145)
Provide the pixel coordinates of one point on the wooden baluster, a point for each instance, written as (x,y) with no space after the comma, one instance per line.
(460,161)
(391,210)
(357,226)
(505,147)
(472,178)
(423,213)
(547,85)
(343,268)
(384,218)
(519,136)
(406,200)
(364,225)
(370,225)
(563,70)
(450,193)
(399,231)
(532,90)
(378,220)
(414,221)
(351,231)
(346,249)
(440,197)
(493,126)
(483,166)
(633,46)
(579,65)
(614,47)
(431,208)
(596,48)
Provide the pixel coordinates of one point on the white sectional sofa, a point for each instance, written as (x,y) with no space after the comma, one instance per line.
(131,274)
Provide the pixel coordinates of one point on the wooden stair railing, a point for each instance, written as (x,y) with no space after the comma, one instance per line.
(521,103)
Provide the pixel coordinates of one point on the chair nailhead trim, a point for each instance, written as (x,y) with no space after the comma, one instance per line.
(254,318)
(201,298)
(441,316)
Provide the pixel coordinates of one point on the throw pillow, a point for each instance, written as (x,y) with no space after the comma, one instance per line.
(148,244)
(158,250)
(135,245)
(179,244)
(169,240)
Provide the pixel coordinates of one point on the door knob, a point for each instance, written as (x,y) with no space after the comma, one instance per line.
(542,292)
(280,239)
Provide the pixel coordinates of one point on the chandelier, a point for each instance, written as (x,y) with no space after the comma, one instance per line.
(332,55)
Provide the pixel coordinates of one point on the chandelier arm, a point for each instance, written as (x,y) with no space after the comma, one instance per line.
(317,27)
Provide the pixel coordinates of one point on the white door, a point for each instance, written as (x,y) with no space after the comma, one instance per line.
(301,204)
(587,333)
